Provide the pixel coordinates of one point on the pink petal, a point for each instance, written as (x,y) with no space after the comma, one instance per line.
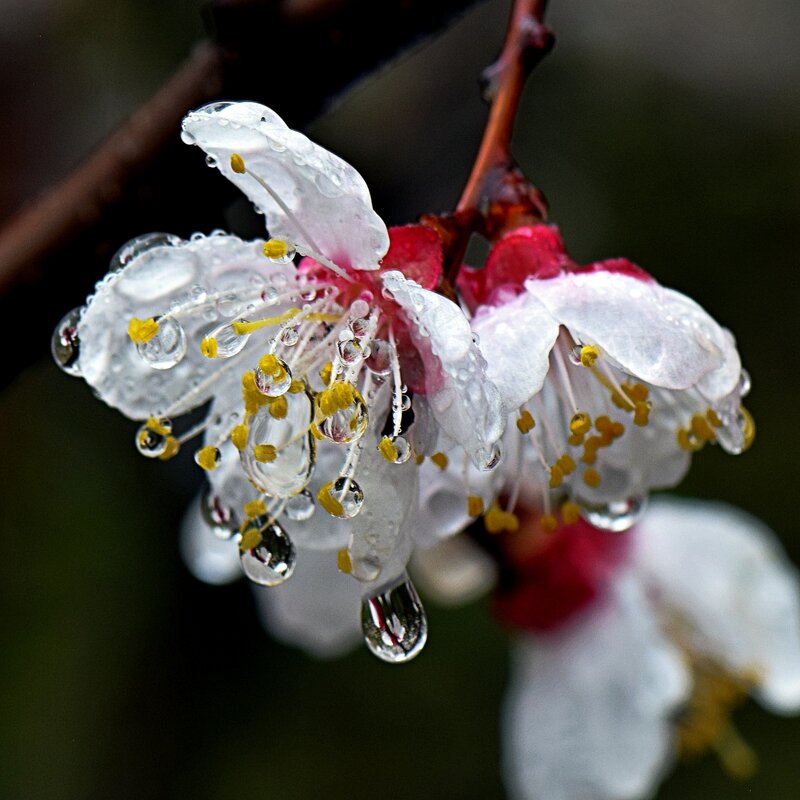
(416,251)
(620,265)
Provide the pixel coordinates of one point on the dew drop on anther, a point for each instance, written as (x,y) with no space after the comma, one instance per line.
(616,516)
(152,437)
(273,559)
(276,380)
(228,342)
(346,496)
(394,624)
(167,348)
(65,345)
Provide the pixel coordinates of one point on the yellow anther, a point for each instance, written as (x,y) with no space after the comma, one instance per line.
(636,391)
(617,429)
(570,512)
(641,413)
(589,354)
(251,538)
(702,429)
(239,437)
(687,441)
(296,386)
(548,522)
(241,328)
(253,399)
(576,439)
(237,163)
(566,464)
(276,248)
(441,460)
(173,445)
(278,407)
(207,457)
(388,449)
(620,401)
(474,505)
(255,508)
(580,423)
(265,453)
(603,424)
(556,476)
(329,502)
(325,373)
(344,562)
(526,422)
(713,418)
(271,365)
(337,397)
(748,428)
(209,347)
(591,477)
(496,520)
(419,459)
(142,330)
(161,427)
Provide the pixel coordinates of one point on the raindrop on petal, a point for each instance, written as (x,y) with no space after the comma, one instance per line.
(142,244)
(273,559)
(65,345)
(167,348)
(616,516)
(394,623)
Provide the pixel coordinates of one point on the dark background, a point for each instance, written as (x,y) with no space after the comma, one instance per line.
(666,132)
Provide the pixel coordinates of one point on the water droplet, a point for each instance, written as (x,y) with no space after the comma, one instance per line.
(289,336)
(490,458)
(300,507)
(359,326)
(403,449)
(287,255)
(272,561)
(359,308)
(151,438)
(350,351)
(405,402)
(65,345)
(211,161)
(617,516)
(394,623)
(167,347)
(198,293)
(270,296)
(218,516)
(143,244)
(379,360)
(277,382)
(187,138)
(230,304)
(201,460)
(574,354)
(290,471)
(348,425)
(744,383)
(308,293)
(348,494)
(229,343)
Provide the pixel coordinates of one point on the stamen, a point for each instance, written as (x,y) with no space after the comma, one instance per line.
(239,436)
(526,422)
(496,520)
(208,457)
(441,460)
(142,331)
(474,505)
(344,562)
(570,512)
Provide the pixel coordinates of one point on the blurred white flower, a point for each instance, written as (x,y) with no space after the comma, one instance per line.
(703,609)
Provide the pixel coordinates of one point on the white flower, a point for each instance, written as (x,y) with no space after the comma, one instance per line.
(303,373)
(612,380)
(705,608)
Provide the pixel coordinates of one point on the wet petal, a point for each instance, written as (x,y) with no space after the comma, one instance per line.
(463,402)
(182,275)
(588,713)
(653,333)
(320,190)
(416,251)
(516,339)
(728,576)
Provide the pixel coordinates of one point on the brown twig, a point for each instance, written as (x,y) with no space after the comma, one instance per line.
(494,176)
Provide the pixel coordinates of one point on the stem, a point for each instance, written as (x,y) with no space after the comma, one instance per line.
(527,41)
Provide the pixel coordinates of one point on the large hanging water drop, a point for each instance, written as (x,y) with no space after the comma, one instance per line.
(300,507)
(394,623)
(227,342)
(273,376)
(167,348)
(347,425)
(65,345)
(342,498)
(217,515)
(141,245)
(616,516)
(273,559)
(379,361)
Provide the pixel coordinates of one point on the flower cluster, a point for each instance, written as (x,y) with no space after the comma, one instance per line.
(349,416)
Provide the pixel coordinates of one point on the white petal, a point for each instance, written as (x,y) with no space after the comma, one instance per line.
(653,333)
(208,558)
(330,209)
(727,574)
(317,609)
(149,285)
(516,339)
(465,404)
(588,713)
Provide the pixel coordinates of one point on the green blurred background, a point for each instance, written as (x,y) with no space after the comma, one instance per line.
(666,132)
